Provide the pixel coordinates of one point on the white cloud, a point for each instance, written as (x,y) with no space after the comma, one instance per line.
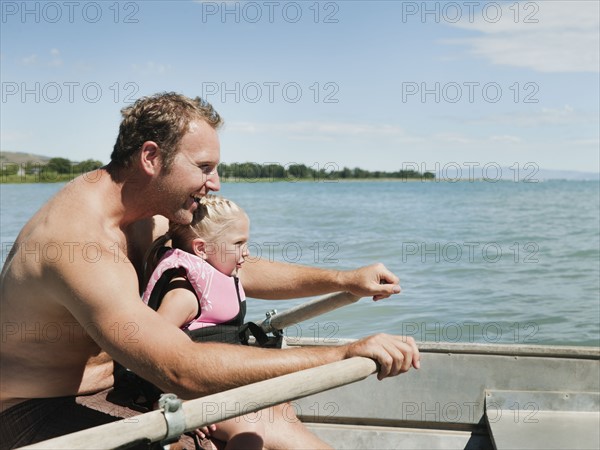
(334,131)
(55,60)
(368,146)
(567,115)
(587,142)
(151,68)
(217,3)
(331,133)
(452,138)
(83,66)
(505,138)
(552,36)
(318,128)
(29,60)
(11,138)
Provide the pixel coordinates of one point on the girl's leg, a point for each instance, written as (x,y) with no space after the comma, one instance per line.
(245,432)
(283,430)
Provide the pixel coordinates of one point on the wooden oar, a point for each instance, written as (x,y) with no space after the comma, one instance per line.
(307,311)
(217,407)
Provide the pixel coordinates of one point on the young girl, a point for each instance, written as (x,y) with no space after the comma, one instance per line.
(194,285)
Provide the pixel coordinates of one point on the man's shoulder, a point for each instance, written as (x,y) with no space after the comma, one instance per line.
(75,222)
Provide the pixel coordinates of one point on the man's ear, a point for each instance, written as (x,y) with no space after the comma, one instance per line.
(199,247)
(150,159)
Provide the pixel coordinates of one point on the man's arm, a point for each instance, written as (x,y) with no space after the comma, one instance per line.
(274,280)
(161,353)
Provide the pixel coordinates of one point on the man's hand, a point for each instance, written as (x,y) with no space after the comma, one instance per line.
(395,354)
(371,281)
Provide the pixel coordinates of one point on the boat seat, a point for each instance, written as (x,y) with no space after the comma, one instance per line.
(538,419)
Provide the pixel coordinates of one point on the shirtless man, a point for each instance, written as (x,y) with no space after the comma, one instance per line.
(70,295)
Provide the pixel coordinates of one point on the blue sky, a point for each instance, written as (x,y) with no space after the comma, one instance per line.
(379,85)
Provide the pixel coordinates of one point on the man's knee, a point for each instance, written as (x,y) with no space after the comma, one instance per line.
(285,412)
(254,423)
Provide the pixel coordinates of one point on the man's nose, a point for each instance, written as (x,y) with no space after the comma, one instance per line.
(213,183)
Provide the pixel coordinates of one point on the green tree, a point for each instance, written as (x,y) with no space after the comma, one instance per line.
(59,165)
(88,165)
(346,173)
(9,168)
(32,167)
(298,171)
(250,171)
(273,171)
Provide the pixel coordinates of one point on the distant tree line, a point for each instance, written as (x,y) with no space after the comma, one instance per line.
(57,169)
(249,171)
(54,166)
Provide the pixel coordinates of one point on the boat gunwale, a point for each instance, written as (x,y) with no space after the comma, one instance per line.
(400,424)
(547,351)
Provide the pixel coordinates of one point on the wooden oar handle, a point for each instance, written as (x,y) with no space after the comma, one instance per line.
(275,391)
(217,407)
(308,310)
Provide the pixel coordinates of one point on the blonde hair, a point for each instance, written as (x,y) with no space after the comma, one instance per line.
(211,219)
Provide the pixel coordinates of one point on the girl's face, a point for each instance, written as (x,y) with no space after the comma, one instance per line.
(229,251)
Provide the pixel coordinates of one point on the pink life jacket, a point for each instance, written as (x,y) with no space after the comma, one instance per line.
(217,293)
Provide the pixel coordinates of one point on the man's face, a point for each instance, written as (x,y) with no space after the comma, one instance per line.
(192,175)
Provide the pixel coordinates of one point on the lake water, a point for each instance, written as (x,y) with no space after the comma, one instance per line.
(487,262)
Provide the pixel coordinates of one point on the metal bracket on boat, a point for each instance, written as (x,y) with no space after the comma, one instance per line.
(174,416)
(266,325)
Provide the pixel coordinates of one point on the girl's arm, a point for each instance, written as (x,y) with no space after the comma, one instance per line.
(179,305)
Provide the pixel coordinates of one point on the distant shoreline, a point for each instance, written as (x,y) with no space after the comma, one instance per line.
(34,179)
(27,168)
(30,179)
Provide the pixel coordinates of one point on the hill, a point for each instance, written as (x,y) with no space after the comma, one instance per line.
(21,158)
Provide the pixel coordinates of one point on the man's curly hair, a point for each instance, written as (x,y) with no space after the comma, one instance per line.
(162,118)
